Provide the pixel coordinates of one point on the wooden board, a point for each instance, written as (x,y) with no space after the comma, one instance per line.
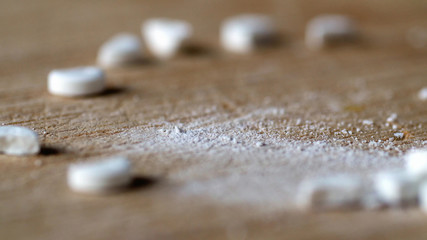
(210,181)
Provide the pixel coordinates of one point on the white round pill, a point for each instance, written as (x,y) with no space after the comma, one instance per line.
(326,30)
(333,192)
(244,33)
(396,188)
(416,163)
(422,196)
(16,140)
(422,94)
(99,177)
(76,82)
(120,50)
(165,37)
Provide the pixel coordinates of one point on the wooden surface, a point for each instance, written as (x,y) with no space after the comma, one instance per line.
(195,185)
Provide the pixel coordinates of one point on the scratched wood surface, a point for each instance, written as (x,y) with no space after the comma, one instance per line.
(328,90)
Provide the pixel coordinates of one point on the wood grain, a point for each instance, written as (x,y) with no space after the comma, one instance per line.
(370,80)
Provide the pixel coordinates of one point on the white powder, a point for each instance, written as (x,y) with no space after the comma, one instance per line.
(220,157)
(399,136)
(367,122)
(178,130)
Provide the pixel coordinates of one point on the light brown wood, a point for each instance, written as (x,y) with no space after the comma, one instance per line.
(380,75)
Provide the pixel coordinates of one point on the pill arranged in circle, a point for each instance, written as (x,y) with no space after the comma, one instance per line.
(101,176)
(422,196)
(165,37)
(245,33)
(19,141)
(422,94)
(122,49)
(396,188)
(327,30)
(76,82)
(416,163)
(334,192)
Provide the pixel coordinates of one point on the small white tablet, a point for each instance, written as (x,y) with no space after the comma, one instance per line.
(19,141)
(165,37)
(416,163)
(245,33)
(326,30)
(122,49)
(328,193)
(101,176)
(422,94)
(76,82)
(396,188)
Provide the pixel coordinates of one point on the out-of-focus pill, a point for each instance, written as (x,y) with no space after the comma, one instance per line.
(76,82)
(99,177)
(165,37)
(245,33)
(335,192)
(396,188)
(371,201)
(422,196)
(120,50)
(326,30)
(422,94)
(19,141)
(416,163)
